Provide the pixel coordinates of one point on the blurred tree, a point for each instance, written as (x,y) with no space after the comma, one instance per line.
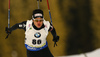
(78,17)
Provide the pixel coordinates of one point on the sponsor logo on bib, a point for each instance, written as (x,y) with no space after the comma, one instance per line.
(37,35)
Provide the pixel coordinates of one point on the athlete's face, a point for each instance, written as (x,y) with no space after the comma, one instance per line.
(38,22)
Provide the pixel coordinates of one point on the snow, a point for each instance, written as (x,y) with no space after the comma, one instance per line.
(95,53)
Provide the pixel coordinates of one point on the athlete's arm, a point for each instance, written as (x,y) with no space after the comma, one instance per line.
(21,25)
(53,32)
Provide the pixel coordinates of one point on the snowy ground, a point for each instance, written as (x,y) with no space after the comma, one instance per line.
(95,53)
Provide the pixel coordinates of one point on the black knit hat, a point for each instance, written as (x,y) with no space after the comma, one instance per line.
(37,13)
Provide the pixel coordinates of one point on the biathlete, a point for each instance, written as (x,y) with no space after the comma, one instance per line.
(36,31)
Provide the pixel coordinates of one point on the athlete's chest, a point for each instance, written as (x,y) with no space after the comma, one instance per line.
(33,33)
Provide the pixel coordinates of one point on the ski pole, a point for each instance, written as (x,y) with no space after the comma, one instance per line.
(38,3)
(9,14)
(8,17)
(50,18)
(49,11)
(55,44)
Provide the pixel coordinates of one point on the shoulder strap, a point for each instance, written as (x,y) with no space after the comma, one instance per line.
(28,24)
(47,24)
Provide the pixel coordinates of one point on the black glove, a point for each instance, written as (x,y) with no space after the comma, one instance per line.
(56,39)
(7,30)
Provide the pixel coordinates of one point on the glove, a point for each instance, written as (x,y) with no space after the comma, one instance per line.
(7,30)
(56,39)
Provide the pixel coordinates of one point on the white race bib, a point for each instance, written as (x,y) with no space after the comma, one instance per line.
(36,39)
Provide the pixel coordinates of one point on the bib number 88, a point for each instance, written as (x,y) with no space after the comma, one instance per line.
(34,41)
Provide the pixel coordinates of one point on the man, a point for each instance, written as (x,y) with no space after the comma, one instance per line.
(36,31)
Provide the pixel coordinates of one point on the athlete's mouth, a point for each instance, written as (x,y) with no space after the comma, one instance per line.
(38,24)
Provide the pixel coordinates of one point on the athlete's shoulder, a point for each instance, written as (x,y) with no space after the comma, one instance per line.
(46,22)
(29,21)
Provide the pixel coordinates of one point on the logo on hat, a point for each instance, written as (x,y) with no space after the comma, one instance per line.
(38,14)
